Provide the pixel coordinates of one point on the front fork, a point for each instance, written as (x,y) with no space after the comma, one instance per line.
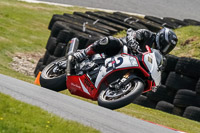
(71,48)
(119,83)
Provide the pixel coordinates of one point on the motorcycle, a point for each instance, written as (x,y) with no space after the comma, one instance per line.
(113,81)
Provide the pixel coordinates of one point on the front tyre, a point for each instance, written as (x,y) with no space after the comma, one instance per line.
(53,76)
(112,99)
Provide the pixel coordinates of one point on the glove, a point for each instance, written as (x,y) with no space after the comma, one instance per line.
(131,40)
(130,34)
(133,45)
(80,55)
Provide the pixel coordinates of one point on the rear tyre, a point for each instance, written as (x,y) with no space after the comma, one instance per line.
(53,76)
(113,101)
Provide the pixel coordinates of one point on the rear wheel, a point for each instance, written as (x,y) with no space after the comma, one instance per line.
(53,76)
(114,99)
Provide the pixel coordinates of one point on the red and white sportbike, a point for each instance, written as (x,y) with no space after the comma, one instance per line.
(115,81)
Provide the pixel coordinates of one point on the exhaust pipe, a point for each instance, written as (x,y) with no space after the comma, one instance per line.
(71,48)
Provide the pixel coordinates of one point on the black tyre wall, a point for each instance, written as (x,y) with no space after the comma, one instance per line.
(57,27)
(198,87)
(162,94)
(149,24)
(192,113)
(176,21)
(164,76)
(145,101)
(178,110)
(165,106)
(191,22)
(51,44)
(60,50)
(171,63)
(45,58)
(64,36)
(55,17)
(176,81)
(161,22)
(189,67)
(186,98)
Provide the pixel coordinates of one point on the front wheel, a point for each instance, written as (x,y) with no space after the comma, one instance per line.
(53,76)
(113,99)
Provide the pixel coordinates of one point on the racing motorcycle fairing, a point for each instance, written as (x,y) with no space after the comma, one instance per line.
(150,62)
(82,86)
(119,63)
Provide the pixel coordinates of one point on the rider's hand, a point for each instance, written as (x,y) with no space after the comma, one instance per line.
(80,55)
(134,46)
(131,41)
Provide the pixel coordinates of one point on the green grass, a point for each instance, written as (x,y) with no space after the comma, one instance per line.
(162,118)
(18,117)
(189,42)
(23,29)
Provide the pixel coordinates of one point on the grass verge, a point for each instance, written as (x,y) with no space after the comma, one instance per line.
(189,42)
(162,118)
(16,116)
(24,29)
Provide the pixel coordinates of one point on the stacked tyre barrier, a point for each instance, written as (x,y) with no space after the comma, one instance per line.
(179,93)
(180,89)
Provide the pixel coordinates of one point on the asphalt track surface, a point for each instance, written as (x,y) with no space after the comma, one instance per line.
(105,120)
(180,9)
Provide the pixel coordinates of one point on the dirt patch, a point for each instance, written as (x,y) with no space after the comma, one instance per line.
(188,41)
(25,62)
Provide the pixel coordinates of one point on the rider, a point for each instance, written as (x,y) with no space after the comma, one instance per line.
(164,41)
